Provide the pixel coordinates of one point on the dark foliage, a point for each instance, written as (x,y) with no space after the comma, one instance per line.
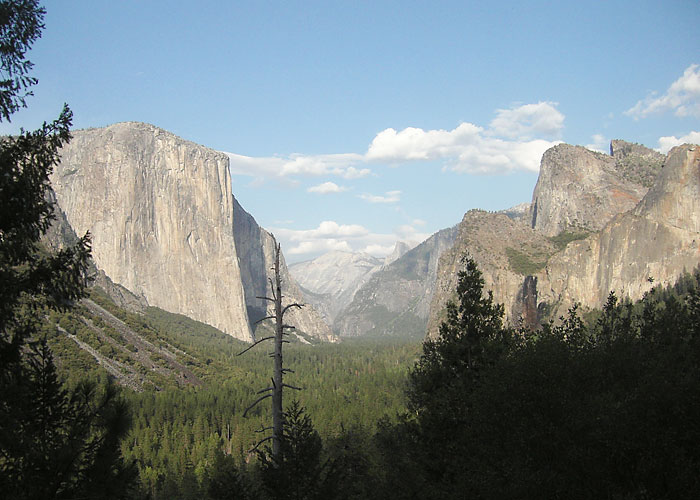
(606,410)
(54,442)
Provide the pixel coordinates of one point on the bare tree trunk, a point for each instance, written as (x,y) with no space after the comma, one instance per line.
(275,392)
(277,414)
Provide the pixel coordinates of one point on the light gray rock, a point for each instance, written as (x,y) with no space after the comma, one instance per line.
(579,189)
(160,212)
(400,249)
(331,280)
(539,277)
(659,239)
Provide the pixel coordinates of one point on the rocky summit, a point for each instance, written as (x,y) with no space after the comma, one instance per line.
(579,189)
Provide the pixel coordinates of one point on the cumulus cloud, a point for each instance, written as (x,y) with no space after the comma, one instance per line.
(327,188)
(528,121)
(682,97)
(515,140)
(341,165)
(472,149)
(666,143)
(389,197)
(599,143)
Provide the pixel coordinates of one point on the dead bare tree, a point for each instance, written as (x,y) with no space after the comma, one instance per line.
(276,389)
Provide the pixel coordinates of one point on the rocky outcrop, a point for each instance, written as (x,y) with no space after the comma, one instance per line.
(579,189)
(396,299)
(538,274)
(160,211)
(60,234)
(506,251)
(256,248)
(330,281)
(654,243)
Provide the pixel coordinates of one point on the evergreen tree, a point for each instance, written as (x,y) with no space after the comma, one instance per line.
(54,443)
(297,472)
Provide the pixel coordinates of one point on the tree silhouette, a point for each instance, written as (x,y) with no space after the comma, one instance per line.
(54,442)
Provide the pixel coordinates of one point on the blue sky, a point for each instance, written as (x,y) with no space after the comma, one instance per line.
(353,124)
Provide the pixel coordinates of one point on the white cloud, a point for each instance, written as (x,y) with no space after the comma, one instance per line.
(682,97)
(419,222)
(417,144)
(378,250)
(528,121)
(666,143)
(390,197)
(319,247)
(327,188)
(472,149)
(599,143)
(515,140)
(341,165)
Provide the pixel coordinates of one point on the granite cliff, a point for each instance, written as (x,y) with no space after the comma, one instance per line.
(162,217)
(653,243)
(597,223)
(579,189)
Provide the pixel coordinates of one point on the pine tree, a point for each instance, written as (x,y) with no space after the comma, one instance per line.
(54,442)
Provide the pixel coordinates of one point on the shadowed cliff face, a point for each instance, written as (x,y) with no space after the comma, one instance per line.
(160,211)
(506,250)
(395,300)
(256,248)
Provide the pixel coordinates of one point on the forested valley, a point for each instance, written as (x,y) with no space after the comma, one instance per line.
(597,404)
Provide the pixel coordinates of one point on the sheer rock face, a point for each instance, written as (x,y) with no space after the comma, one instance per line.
(659,239)
(256,250)
(581,189)
(160,211)
(396,299)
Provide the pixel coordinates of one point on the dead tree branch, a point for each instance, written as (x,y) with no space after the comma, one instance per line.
(245,413)
(254,344)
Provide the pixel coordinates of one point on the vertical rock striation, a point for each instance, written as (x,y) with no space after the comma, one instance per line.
(643,226)
(331,280)
(396,298)
(508,252)
(160,211)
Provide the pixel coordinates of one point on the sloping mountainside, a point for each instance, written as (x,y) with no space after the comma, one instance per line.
(161,214)
(330,281)
(256,249)
(396,299)
(597,223)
